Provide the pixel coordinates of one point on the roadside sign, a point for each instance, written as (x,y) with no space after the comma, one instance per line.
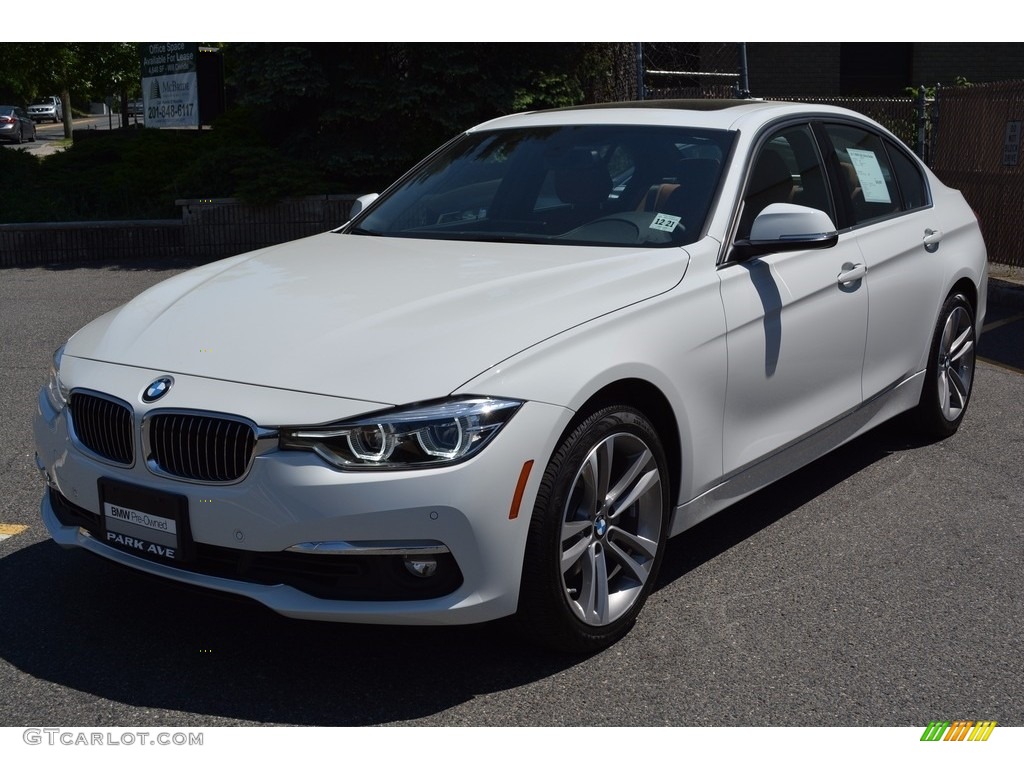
(1011,143)
(170,92)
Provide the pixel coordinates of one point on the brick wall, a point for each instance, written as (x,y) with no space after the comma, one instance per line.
(794,70)
(977,62)
(813,70)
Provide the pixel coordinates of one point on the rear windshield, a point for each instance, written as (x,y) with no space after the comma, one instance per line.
(646,186)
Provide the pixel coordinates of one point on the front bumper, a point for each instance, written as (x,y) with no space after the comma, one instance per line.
(260,537)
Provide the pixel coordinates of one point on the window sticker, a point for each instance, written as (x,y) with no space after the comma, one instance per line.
(664,222)
(869,173)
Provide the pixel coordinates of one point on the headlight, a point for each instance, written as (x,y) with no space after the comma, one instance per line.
(432,435)
(55,391)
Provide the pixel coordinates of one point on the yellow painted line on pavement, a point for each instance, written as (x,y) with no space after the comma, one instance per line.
(9,529)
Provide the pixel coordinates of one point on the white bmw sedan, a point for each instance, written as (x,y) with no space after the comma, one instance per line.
(499,389)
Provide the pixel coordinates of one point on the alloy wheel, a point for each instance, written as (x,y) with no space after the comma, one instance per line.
(611,528)
(955,363)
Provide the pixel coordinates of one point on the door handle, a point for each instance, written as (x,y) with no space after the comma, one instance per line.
(931,239)
(851,273)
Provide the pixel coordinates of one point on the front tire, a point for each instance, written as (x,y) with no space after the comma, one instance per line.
(949,376)
(598,532)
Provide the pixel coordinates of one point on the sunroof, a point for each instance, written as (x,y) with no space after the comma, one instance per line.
(701,105)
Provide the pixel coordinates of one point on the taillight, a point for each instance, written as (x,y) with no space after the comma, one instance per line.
(6,119)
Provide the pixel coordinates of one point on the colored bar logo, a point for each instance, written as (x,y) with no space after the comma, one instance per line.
(958,730)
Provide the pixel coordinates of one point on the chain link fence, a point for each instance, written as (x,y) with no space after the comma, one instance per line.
(905,117)
(976,149)
(690,70)
(639,71)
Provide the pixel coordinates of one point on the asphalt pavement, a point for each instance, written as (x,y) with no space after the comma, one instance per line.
(883,585)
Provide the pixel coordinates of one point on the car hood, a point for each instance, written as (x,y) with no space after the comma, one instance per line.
(369,318)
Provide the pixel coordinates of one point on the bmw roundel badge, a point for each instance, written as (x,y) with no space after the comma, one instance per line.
(157,389)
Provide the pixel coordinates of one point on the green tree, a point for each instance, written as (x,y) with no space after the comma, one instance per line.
(20,76)
(365,112)
(115,70)
(84,69)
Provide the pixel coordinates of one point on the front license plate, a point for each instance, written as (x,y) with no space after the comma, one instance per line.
(144,522)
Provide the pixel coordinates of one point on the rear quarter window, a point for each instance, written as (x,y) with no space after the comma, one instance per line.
(913,186)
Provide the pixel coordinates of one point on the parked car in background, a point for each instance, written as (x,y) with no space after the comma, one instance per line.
(15,125)
(135,108)
(502,386)
(47,108)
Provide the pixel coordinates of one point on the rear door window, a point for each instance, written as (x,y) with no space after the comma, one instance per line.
(866,180)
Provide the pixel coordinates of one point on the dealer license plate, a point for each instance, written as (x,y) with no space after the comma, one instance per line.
(144,522)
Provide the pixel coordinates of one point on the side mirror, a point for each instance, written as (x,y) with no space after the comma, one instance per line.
(361,203)
(787,227)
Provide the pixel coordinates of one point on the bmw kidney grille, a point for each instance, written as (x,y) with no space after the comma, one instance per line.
(103,426)
(209,449)
(192,446)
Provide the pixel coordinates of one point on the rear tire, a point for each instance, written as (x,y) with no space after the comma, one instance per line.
(597,535)
(949,376)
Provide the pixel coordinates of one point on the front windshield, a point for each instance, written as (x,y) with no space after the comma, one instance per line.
(618,185)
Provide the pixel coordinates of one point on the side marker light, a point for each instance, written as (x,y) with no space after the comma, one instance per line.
(517,498)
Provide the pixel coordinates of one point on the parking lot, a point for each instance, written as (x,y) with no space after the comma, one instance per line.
(881,586)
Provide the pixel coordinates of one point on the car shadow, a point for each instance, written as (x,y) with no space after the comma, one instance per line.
(760,510)
(86,624)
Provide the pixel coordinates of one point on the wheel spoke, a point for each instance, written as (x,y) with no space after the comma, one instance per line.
(944,394)
(958,387)
(627,482)
(645,485)
(947,333)
(627,542)
(963,344)
(573,528)
(593,597)
(576,550)
(640,545)
(598,470)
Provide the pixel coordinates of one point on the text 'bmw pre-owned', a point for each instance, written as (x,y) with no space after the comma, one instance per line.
(507,381)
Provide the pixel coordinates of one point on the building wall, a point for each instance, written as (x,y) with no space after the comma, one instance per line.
(815,70)
(976,62)
(798,70)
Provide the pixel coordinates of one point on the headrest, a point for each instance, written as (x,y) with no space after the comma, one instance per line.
(581,178)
